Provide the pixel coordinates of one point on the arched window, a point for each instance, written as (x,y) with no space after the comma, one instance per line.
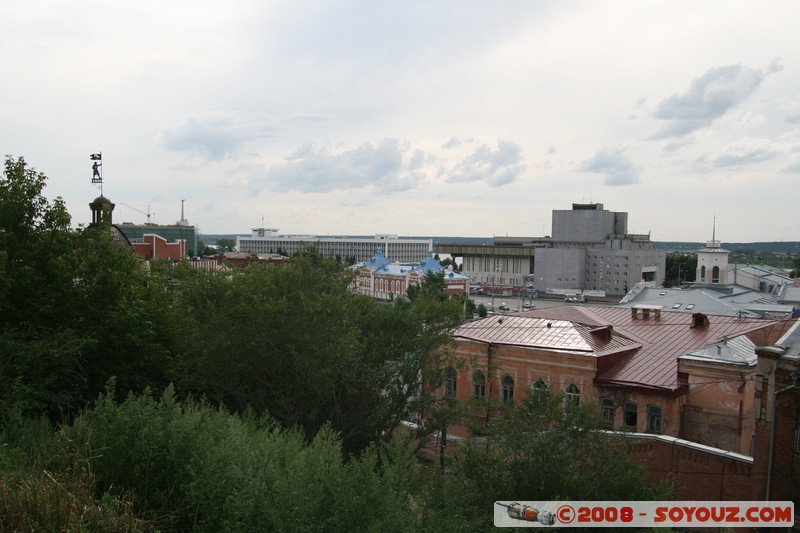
(539,385)
(573,395)
(702,274)
(478,384)
(507,390)
(654,418)
(607,408)
(715,275)
(450,380)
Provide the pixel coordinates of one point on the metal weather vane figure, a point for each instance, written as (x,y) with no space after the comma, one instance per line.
(97,170)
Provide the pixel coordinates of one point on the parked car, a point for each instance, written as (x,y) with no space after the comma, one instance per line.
(504,307)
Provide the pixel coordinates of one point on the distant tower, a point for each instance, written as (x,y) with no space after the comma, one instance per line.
(712,261)
(183,221)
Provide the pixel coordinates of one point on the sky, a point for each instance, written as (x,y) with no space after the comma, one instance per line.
(414,118)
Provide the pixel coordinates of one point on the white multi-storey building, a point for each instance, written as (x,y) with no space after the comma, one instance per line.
(359,249)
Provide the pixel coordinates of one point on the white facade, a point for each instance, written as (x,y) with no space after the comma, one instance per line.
(397,249)
(712,264)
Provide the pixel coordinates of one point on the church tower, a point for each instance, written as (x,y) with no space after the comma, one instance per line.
(712,262)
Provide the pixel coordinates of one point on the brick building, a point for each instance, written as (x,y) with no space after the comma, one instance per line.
(152,246)
(649,370)
(713,402)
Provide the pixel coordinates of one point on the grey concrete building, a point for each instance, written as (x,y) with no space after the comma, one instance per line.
(590,250)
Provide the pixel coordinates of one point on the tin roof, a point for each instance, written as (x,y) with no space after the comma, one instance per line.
(559,335)
(654,344)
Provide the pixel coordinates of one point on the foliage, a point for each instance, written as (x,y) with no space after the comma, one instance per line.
(190,466)
(225,245)
(547,451)
(296,342)
(681,268)
(75,307)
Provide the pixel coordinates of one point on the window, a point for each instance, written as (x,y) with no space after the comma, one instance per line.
(508,389)
(573,396)
(797,432)
(629,415)
(450,379)
(478,384)
(607,408)
(539,384)
(653,419)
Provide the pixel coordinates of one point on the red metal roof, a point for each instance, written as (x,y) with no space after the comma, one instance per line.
(654,343)
(545,333)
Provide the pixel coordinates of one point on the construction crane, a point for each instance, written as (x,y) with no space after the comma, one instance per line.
(148,213)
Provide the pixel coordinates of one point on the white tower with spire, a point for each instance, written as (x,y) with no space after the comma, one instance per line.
(712,261)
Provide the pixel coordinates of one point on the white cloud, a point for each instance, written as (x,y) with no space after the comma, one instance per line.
(615,165)
(792,166)
(709,97)
(493,167)
(214,136)
(388,166)
(745,152)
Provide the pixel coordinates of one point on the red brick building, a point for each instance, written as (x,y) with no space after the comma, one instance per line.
(157,247)
(696,391)
(649,370)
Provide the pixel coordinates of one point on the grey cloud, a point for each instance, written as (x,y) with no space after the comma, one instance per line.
(709,97)
(454,142)
(214,136)
(745,152)
(793,119)
(494,167)
(315,168)
(792,166)
(618,169)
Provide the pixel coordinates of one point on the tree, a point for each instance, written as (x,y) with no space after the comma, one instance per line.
(293,340)
(40,367)
(225,245)
(547,450)
(680,268)
(75,307)
(795,267)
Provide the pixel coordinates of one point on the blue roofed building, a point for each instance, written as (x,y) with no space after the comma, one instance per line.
(383,279)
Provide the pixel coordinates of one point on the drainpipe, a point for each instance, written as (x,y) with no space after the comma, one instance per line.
(773,410)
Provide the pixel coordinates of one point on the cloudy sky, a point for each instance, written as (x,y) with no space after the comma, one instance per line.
(458,118)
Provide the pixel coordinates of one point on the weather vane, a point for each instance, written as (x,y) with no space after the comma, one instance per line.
(97,169)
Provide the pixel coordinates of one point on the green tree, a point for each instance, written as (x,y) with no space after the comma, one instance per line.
(40,367)
(796,267)
(547,451)
(225,245)
(680,268)
(295,341)
(75,307)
